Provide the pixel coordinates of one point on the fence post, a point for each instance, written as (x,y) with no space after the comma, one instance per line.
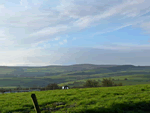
(35,103)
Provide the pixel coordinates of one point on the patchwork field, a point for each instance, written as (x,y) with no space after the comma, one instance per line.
(120,99)
(131,80)
(71,80)
(74,75)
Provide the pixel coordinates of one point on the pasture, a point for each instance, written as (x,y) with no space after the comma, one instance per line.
(74,75)
(121,99)
(72,80)
(132,80)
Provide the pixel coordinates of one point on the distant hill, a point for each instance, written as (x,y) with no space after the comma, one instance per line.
(77,69)
(45,70)
(29,76)
(109,70)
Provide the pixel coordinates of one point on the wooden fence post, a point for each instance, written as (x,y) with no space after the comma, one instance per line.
(35,103)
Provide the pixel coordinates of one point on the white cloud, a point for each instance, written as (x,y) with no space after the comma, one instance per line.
(115,29)
(24,3)
(127,53)
(50,31)
(124,47)
(74,38)
(57,38)
(146,27)
(2,6)
(36,26)
(126,8)
(2,34)
(63,42)
(95,56)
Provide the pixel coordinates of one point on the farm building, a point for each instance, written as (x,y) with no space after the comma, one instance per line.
(65,87)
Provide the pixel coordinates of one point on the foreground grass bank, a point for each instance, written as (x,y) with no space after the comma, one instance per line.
(120,99)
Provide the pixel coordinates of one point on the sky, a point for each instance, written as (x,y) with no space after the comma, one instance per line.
(66,32)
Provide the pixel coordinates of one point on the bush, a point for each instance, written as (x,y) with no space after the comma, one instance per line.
(91,83)
(125,79)
(2,90)
(107,82)
(115,84)
(120,84)
(78,87)
(52,86)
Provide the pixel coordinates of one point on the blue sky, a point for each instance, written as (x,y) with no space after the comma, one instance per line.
(65,32)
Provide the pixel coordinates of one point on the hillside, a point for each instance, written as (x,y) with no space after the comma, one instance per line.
(41,76)
(9,71)
(120,99)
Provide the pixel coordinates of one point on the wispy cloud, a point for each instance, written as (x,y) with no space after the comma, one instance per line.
(35,24)
(94,56)
(42,25)
(124,47)
(115,29)
(49,31)
(24,3)
(63,42)
(146,27)
(74,38)
(57,38)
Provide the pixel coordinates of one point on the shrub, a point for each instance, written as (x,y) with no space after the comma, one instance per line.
(125,79)
(52,86)
(78,87)
(91,83)
(115,84)
(2,90)
(120,84)
(107,82)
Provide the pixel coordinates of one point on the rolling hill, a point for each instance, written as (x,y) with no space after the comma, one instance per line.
(72,75)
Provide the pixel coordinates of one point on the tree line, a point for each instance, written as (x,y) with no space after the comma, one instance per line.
(105,83)
(89,83)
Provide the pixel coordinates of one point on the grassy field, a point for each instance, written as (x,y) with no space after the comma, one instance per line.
(120,99)
(73,80)
(40,71)
(71,75)
(132,80)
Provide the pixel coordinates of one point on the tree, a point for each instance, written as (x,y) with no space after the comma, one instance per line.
(115,84)
(107,82)
(91,83)
(52,86)
(120,84)
(125,79)
(99,80)
(2,90)
(19,87)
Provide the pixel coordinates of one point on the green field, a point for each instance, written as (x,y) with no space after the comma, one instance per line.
(72,80)
(74,75)
(132,80)
(120,99)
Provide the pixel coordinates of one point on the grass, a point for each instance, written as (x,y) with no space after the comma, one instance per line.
(6,70)
(120,99)
(11,87)
(69,80)
(132,80)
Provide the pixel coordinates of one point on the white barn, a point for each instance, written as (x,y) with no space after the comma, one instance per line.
(65,87)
